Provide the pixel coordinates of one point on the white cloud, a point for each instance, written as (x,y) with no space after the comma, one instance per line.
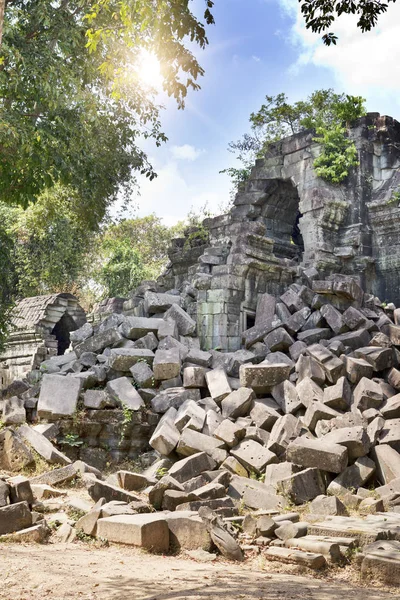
(256,58)
(186,152)
(362,63)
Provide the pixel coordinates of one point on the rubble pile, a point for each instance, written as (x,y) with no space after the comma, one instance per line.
(305,416)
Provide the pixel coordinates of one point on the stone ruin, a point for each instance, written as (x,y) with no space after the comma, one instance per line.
(257,384)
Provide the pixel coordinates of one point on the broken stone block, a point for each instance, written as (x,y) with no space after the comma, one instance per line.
(43,491)
(317,411)
(14,454)
(192,466)
(167,364)
(191,416)
(387,461)
(212,421)
(352,477)
(391,408)
(308,392)
(97,400)
(62,474)
(393,378)
(378,358)
(278,340)
(276,472)
(302,486)
(19,490)
(172,499)
(293,556)
(288,530)
(309,368)
(286,397)
(81,334)
(187,531)
(264,377)
(254,494)
(134,328)
(4,493)
(264,413)
(284,429)
(14,411)
(266,304)
(357,368)
(101,489)
(258,332)
(320,454)
(367,394)
(253,456)
(134,482)
(198,357)
(313,336)
(58,396)
(156,494)
(43,446)
(334,318)
(338,396)
(354,339)
(256,434)
(122,391)
(149,531)
(148,341)
(122,359)
(218,385)
(326,506)
(166,435)
(143,375)
(158,303)
(194,377)
(297,349)
(210,491)
(186,325)
(296,321)
(171,397)
(292,300)
(232,465)
(237,403)
(229,433)
(98,342)
(371,506)
(355,439)
(15,517)
(192,442)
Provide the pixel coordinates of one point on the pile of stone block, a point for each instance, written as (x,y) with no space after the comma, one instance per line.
(308,411)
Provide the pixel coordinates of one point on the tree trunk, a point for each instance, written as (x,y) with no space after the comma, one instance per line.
(2,10)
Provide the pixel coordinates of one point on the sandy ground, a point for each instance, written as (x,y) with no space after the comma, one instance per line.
(81,571)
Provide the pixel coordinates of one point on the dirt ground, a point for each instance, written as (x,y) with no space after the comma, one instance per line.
(81,571)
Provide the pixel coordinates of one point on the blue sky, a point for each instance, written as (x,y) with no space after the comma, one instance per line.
(260,47)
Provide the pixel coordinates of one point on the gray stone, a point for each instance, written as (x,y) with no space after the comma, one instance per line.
(278,339)
(191,416)
(134,328)
(13,411)
(302,486)
(308,368)
(284,429)
(192,442)
(334,319)
(186,325)
(194,377)
(122,359)
(367,394)
(338,396)
(352,477)
(97,400)
(81,334)
(317,411)
(253,456)
(58,396)
(101,489)
(218,385)
(325,506)
(190,467)
(387,461)
(166,435)
(229,433)
(122,391)
(355,439)
(237,403)
(308,392)
(167,364)
(187,531)
(286,396)
(198,357)
(158,303)
(98,342)
(43,446)
(264,377)
(320,454)
(357,368)
(149,531)
(15,517)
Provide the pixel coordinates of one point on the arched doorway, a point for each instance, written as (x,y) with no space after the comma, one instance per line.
(281,215)
(61,331)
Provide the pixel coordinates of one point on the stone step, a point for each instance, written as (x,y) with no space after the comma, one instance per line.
(297,557)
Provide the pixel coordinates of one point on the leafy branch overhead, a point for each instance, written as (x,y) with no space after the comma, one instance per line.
(319,15)
(327,113)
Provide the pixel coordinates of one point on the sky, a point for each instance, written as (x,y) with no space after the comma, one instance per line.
(258,48)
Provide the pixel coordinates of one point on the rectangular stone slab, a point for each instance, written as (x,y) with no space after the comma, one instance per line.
(149,531)
(58,396)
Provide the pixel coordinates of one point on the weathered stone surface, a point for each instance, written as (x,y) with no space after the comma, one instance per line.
(284,429)
(122,359)
(186,325)
(15,517)
(338,396)
(123,392)
(97,399)
(308,392)
(293,556)
(218,384)
(237,403)
(149,531)
(264,413)
(98,342)
(253,456)
(167,364)
(190,467)
(158,303)
(286,396)
(100,489)
(303,486)
(367,394)
(134,328)
(317,411)
(264,377)
(327,505)
(43,446)
(230,433)
(187,531)
(355,439)
(58,396)
(57,476)
(317,453)
(192,442)
(387,461)
(13,411)
(166,435)
(352,477)
(194,377)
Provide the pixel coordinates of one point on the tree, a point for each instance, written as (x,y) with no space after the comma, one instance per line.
(323,111)
(320,14)
(72,105)
(131,251)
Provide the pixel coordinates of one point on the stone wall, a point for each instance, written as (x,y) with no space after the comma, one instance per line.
(285,220)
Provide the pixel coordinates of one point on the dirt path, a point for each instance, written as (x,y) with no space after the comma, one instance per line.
(79,571)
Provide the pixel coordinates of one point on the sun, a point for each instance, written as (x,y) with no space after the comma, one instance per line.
(149,70)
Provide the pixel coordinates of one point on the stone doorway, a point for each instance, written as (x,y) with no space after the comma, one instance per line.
(281,215)
(61,331)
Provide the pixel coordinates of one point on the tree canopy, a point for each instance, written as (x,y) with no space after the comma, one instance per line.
(319,15)
(72,104)
(324,111)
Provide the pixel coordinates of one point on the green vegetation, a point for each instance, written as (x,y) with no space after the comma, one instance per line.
(327,113)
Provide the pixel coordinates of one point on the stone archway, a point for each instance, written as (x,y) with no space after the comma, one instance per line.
(281,215)
(61,331)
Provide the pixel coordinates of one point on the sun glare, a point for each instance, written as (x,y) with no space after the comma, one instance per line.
(149,70)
